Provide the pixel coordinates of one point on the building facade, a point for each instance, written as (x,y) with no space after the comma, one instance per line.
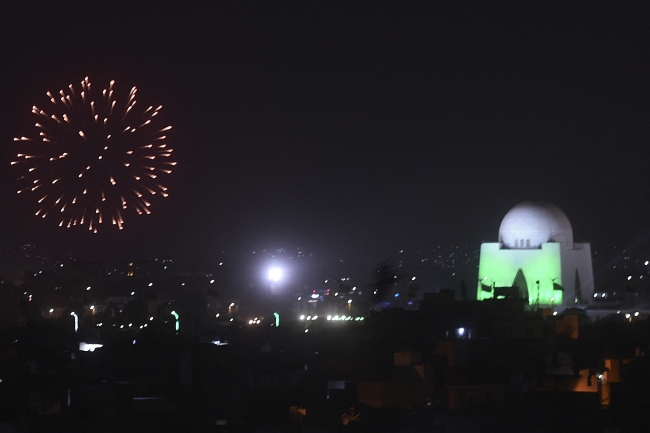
(536,259)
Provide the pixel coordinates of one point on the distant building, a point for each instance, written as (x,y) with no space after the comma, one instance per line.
(536,259)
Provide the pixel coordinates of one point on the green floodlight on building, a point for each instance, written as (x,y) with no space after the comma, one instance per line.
(533,272)
(277,319)
(175,314)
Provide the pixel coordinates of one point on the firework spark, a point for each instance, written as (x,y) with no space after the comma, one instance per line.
(93,157)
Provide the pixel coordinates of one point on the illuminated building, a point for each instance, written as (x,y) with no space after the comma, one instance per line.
(536,259)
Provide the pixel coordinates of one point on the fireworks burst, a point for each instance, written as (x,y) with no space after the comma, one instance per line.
(93,157)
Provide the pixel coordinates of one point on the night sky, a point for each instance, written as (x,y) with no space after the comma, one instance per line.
(350,129)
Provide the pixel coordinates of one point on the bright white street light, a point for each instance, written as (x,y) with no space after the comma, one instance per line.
(76,321)
(275,274)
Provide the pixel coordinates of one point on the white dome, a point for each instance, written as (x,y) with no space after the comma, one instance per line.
(530,224)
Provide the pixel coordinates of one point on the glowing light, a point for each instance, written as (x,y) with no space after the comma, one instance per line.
(76,321)
(89,347)
(275,274)
(177,321)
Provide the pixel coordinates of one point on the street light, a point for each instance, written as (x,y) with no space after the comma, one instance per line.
(275,274)
(76,321)
(175,314)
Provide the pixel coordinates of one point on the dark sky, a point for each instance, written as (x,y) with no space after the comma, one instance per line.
(341,126)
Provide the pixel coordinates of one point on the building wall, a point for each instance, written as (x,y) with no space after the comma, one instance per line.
(577,260)
(392,394)
(570,268)
(476,396)
(498,268)
(585,381)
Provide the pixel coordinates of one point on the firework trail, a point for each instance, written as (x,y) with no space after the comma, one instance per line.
(93,157)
